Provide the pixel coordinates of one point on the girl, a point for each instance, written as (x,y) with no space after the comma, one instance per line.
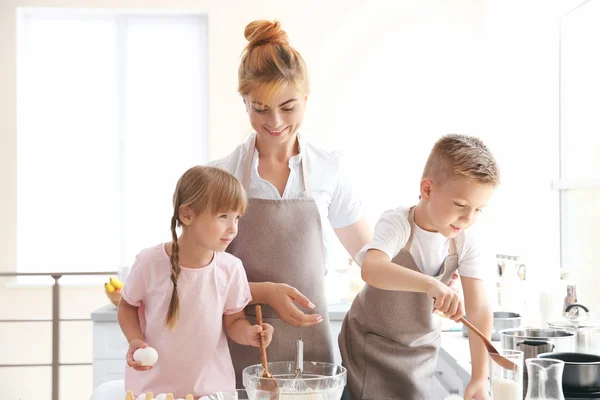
(183,297)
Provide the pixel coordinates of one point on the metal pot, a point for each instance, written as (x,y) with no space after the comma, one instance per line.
(502,320)
(534,341)
(581,372)
(586,329)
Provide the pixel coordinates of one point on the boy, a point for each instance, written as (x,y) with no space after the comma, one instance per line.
(390,339)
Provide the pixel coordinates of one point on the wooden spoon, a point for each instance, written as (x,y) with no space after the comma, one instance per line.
(269,384)
(494,355)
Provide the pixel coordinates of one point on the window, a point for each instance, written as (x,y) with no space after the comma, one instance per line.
(579,183)
(112,110)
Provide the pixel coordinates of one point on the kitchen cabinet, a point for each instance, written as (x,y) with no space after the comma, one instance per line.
(110,346)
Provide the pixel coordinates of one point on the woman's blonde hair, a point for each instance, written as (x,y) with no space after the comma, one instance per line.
(201,189)
(269,62)
(462,156)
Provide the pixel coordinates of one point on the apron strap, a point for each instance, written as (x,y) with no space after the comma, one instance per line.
(451,247)
(411,220)
(248,167)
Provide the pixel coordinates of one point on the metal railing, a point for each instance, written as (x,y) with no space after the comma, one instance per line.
(56,320)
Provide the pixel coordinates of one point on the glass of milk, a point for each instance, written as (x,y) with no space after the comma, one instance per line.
(507,384)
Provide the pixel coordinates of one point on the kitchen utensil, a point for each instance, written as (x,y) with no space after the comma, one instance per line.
(324,381)
(570,298)
(587,330)
(581,372)
(298,385)
(534,341)
(545,379)
(502,320)
(495,356)
(267,386)
(507,384)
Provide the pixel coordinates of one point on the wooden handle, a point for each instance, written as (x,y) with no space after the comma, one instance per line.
(263,348)
(149,396)
(490,347)
(129,395)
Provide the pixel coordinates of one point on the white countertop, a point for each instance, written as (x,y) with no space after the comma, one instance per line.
(455,351)
(108,313)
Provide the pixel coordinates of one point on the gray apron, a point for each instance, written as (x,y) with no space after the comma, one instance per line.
(281,241)
(390,339)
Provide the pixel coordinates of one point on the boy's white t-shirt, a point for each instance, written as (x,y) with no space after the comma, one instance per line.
(429,249)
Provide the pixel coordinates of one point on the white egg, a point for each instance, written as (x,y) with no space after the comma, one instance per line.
(161,396)
(147,356)
(141,397)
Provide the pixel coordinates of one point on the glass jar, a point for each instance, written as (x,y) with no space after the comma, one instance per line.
(507,384)
(544,379)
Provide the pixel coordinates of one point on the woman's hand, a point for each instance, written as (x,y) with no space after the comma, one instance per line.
(282,299)
(133,346)
(255,332)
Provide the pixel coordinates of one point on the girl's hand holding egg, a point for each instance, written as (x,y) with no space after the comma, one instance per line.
(255,332)
(140,356)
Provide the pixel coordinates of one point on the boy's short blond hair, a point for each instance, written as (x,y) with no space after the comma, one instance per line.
(461,156)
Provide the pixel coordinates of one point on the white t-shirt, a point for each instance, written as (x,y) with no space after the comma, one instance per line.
(429,249)
(332,191)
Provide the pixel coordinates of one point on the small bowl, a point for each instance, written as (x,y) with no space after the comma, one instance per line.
(114,297)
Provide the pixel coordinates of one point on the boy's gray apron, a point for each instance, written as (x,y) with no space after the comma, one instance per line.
(281,241)
(390,339)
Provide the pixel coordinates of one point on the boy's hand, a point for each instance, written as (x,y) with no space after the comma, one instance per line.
(477,390)
(133,346)
(446,300)
(255,332)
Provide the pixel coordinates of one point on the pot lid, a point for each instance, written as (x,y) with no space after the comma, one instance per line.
(577,316)
(579,323)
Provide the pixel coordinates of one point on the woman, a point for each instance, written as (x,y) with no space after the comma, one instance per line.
(293,187)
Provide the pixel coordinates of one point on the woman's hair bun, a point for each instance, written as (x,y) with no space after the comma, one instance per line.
(263,32)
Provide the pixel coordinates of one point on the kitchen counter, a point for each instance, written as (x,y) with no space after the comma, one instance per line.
(456,354)
(108,313)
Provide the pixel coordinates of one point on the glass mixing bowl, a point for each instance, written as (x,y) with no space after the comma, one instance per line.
(319,381)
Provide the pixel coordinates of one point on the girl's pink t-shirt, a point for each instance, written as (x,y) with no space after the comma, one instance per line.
(194,358)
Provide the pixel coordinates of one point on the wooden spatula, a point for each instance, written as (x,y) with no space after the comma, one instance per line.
(269,384)
(494,355)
